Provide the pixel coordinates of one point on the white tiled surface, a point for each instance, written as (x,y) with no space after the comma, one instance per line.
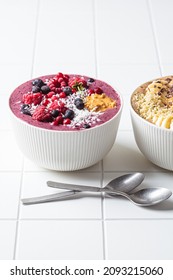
(124,42)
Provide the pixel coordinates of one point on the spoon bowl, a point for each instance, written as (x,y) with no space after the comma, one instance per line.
(147,196)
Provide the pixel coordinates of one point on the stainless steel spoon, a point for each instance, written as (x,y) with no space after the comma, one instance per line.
(147,196)
(125,183)
(143,197)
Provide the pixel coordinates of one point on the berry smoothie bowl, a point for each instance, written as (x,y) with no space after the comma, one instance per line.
(65,122)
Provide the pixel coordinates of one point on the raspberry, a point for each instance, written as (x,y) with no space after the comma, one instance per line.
(66,121)
(60,80)
(60,75)
(27,98)
(42,114)
(54,85)
(98,90)
(45,102)
(54,97)
(62,95)
(37,98)
(90,91)
(54,105)
(77,83)
(50,94)
(58,120)
(63,84)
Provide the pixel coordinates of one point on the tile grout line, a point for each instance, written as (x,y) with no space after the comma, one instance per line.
(22,171)
(95,38)
(35,37)
(153,29)
(18,212)
(102,170)
(102,213)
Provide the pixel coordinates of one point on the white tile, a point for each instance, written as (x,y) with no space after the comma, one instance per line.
(52,67)
(139,240)
(7,239)
(4,112)
(17,30)
(69,36)
(125,121)
(119,37)
(125,155)
(82,206)
(9,193)
(167,69)
(163,28)
(71,240)
(126,77)
(31,166)
(11,157)
(13,74)
(121,208)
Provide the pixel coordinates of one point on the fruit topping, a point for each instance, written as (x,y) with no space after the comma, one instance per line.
(77,83)
(55,113)
(67,90)
(66,100)
(42,114)
(79,103)
(90,81)
(86,125)
(67,121)
(37,98)
(45,89)
(27,98)
(69,114)
(35,89)
(58,120)
(38,82)
(25,109)
(98,90)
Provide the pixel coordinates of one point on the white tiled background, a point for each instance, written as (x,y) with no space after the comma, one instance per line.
(124,42)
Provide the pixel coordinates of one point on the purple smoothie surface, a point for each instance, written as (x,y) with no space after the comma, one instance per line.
(81,87)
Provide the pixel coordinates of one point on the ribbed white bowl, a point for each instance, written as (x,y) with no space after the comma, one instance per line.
(154,142)
(66,150)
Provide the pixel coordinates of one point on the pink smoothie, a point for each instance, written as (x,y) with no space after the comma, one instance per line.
(56,104)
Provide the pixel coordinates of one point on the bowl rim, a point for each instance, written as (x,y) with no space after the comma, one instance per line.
(72,131)
(167,130)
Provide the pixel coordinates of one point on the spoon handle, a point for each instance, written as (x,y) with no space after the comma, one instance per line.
(48,198)
(74,187)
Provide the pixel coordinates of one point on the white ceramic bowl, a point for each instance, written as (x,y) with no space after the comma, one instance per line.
(156,143)
(66,150)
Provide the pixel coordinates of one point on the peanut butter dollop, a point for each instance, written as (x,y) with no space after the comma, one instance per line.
(99,102)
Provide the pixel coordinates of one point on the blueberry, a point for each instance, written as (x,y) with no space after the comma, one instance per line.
(86,125)
(69,114)
(45,89)
(35,89)
(78,100)
(67,90)
(79,104)
(91,80)
(55,113)
(25,109)
(38,82)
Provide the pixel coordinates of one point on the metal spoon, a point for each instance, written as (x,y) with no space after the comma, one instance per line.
(125,183)
(143,197)
(147,196)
